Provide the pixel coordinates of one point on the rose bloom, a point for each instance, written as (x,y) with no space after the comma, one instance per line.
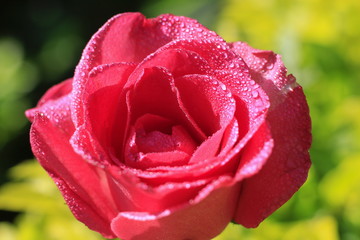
(166,131)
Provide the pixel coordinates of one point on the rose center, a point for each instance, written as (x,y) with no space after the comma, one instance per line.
(156,141)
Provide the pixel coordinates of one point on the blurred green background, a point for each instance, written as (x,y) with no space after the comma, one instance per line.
(319,40)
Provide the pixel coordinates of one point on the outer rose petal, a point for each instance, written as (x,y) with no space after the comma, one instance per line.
(132,195)
(131,37)
(80,183)
(204,218)
(54,93)
(287,167)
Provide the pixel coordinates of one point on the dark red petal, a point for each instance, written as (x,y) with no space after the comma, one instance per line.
(155,141)
(150,122)
(84,191)
(158,141)
(170,158)
(202,218)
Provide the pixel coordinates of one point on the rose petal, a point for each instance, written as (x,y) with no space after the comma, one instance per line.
(57,91)
(57,111)
(178,61)
(105,107)
(224,64)
(205,163)
(267,69)
(151,160)
(210,164)
(289,121)
(150,122)
(287,167)
(203,218)
(54,93)
(131,194)
(78,181)
(159,141)
(130,37)
(155,93)
(207,101)
(255,153)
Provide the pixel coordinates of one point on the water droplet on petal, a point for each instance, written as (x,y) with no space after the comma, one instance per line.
(223,86)
(269,66)
(255,94)
(259,103)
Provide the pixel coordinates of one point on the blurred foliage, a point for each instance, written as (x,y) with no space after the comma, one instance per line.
(17,77)
(319,41)
(46,215)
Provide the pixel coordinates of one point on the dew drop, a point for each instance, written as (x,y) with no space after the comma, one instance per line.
(223,87)
(255,94)
(259,103)
(269,66)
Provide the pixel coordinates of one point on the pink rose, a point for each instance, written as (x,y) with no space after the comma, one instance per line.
(168,132)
